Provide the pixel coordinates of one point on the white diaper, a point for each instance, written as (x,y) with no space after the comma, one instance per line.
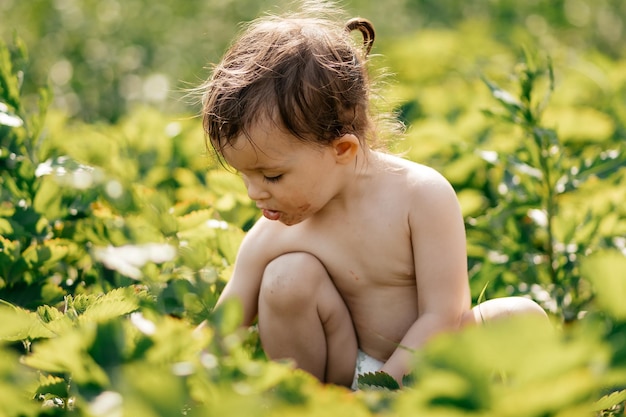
(365,364)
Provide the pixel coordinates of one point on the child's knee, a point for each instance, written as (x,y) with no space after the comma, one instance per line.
(291,280)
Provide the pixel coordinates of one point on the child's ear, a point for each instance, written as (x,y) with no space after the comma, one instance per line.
(346,148)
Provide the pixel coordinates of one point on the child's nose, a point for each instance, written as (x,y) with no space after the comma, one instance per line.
(256,192)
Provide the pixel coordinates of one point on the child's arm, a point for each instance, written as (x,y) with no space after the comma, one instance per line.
(439,251)
(245,281)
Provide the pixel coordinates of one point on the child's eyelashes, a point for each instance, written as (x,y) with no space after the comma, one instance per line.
(266,178)
(273,179)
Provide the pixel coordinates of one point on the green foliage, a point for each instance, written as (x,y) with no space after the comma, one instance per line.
(116,239)
(540,179)
(377,380)
(605,272)
(513,375)
(103,58)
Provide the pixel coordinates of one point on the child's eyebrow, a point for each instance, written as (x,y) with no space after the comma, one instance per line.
(256,168)
(263,167)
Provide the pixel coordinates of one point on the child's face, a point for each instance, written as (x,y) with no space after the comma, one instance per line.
(290,180)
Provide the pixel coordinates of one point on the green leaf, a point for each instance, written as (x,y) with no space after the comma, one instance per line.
(194,219)
(116,303)
(48,200)
(580,124)
(228,242)
(379,380)
(9,84)
(408,380)
(607,273)
(21,324)
(16,383)
(194,305)
(472,202)
(609,400)
(228,317)
(49,314)
(54,320)
(506,99)
(45,254)
(9,254)
(68,353)
(567,390)
(107,349)
(155,390)
(52,385)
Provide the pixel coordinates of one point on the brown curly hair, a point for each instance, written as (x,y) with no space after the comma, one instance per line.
(307,74)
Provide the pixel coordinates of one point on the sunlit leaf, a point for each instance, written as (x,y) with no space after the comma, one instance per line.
(10,82)
(54,319)
(74,359)
(49,384)
(580,124)
(607,272)
(506,99)
(228,317)
(511,367)
(472,202)
(175,341)
(115,303)
(446,391)
(228,242)
(9,254)
(194,219)
(14,377)
(568,389)
(463,169)
(21,324)
(609,400)
(46,254)
(49,314)
(194,304)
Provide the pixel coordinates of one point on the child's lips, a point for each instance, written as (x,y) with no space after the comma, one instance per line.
(271,214)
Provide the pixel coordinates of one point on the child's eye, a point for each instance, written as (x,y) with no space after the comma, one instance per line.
(272,179)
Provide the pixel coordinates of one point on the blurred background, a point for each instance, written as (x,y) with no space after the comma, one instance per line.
(103,57)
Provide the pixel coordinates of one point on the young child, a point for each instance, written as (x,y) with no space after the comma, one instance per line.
(360,256)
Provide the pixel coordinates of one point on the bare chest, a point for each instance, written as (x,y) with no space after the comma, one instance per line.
(363,252)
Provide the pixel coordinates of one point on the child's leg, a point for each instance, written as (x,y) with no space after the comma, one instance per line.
(502,307)
(303,317)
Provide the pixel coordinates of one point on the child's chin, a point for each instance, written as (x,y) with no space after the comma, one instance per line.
(291,220)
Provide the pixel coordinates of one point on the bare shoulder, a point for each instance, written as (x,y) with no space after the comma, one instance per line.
(420,182)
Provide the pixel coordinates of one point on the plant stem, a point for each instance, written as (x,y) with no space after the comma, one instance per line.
(543,156)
